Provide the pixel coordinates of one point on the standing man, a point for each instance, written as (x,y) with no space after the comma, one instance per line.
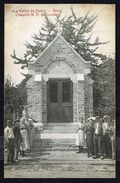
(106,136)
(89,131)
(113,138)
(97,138)
(10,141)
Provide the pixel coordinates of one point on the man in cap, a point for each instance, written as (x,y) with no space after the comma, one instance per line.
(89,131)
(97,138)
(106,136)
(113,138)
(10,141)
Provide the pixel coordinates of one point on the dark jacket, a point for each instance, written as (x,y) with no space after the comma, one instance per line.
(17,134)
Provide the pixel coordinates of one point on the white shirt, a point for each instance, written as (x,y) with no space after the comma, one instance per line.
(105,127)
(8,133)
(96,128)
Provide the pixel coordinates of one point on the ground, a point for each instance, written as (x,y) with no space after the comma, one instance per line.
(60,164)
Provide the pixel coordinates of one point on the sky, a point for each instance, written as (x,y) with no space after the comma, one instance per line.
(19,29)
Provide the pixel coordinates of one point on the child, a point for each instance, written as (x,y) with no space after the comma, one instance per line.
(10,141)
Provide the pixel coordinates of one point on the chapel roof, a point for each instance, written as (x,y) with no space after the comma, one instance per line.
(59,36)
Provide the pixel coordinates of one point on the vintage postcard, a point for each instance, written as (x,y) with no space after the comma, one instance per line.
(59,88)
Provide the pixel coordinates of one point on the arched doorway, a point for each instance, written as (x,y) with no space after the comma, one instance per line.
(60,100)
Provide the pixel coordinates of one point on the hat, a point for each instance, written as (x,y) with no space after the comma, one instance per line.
(30,120)
(91,118)
(97,118)
(22,120)
(9,121)
(106,116)
(17,120)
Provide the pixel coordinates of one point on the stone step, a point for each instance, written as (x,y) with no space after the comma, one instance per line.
(53,141)
(59,148)
(58,131)
(58,136)
(61,124)
(60,128)
(56,144)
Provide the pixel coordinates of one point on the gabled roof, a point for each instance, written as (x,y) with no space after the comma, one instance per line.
(65,42)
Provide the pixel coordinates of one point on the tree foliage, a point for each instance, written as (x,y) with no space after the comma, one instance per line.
(15,97)
(104,88)
(76,30)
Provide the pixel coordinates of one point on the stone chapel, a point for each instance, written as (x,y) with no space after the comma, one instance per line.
(59,90)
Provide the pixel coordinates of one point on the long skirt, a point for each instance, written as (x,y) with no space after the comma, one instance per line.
(80,138)
(31,136)
(25,145)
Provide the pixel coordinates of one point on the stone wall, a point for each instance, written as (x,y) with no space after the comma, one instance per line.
(75,102)
(44,101)
(34,98)
(81,100)
(88,97)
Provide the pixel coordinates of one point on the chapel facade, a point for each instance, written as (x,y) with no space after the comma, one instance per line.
(59,90)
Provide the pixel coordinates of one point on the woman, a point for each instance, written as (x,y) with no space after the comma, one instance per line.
(89,130)
(31,133)
(80,136)
(18,138)
(24,134)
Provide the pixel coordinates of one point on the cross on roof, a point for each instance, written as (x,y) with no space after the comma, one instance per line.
(58,28)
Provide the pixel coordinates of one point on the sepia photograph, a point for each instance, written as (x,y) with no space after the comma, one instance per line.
(59,91)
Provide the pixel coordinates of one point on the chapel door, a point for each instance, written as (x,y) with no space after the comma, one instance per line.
(60,100)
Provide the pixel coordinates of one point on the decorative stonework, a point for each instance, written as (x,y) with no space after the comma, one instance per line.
(59,60)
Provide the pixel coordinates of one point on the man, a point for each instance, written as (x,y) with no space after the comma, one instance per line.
(113,138)
(97,138)
(89,131)
(10,141)
(106,137)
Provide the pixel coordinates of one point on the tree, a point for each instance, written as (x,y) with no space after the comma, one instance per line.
(104,88)
(76,30)
(15,98)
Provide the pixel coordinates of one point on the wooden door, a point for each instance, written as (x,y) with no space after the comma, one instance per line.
(60,100)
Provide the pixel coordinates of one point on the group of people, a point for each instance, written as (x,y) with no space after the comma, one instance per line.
(99,135)
(18,137)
